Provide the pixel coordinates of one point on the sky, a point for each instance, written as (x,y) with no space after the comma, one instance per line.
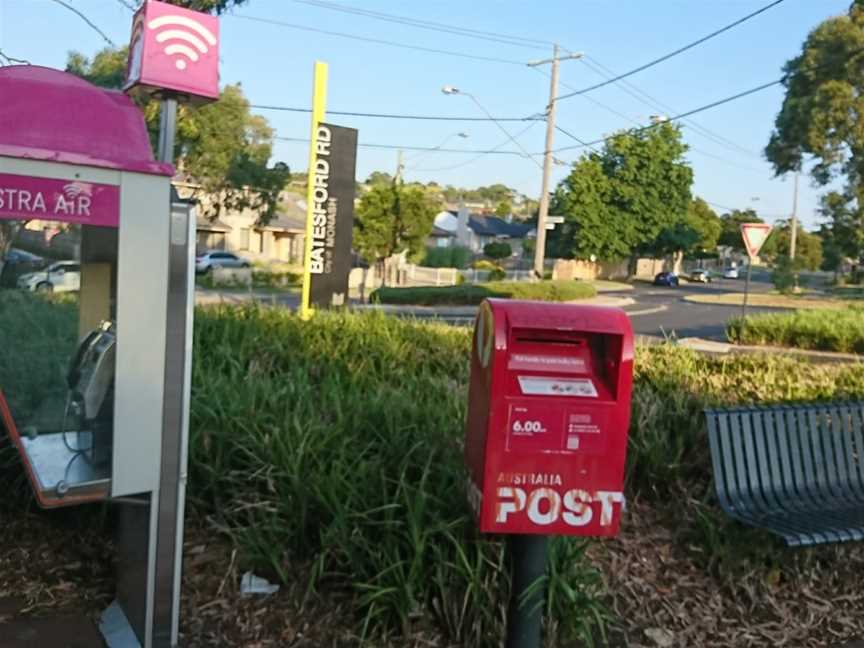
(274,64)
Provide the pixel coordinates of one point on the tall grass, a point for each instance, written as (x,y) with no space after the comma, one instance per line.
(338,442)
(824,330)
(668,443)
(37,337)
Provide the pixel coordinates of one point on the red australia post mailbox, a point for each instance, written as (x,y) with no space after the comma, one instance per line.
(548,415)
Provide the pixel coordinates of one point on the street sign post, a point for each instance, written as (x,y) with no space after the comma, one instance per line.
(754,235)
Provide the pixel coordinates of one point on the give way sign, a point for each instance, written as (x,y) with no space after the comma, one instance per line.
(754,235)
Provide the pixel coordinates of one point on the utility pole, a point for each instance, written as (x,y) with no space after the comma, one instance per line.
(793,236)
(543,212)
(399,166)
(794,233)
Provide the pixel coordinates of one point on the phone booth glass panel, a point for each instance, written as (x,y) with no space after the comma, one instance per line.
(58,323)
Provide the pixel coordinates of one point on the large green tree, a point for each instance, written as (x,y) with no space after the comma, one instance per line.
(730,233)
(392,218)
(618,201)
(822,120)
(220,146)
(808,246)
(706,223)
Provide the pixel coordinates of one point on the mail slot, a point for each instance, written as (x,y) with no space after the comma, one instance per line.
(548,415)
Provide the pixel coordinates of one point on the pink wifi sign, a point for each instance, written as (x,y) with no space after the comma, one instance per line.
(174,49)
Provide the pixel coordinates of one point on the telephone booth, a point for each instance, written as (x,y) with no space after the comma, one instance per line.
(95,327)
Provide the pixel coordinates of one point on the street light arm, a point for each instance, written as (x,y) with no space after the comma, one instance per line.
(502,129)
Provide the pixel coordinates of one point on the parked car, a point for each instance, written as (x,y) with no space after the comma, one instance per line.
(17,263)
(666,279)
(701,275)
(730,273)
(63,276)
(218,259)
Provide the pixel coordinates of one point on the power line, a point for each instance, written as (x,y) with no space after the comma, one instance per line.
(713,104)
(129,5)
(414,148)
(398,116)
(495,149)
(507,39)
(573,137)
(636,123)
(86,20)
(379,41)
(643,97)
(680,50)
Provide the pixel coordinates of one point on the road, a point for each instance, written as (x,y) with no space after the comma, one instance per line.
(663,311)
(658,311)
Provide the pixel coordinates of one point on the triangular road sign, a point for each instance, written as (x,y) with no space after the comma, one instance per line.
(754,235)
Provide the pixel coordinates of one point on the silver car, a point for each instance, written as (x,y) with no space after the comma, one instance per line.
(219,259)
(64,276)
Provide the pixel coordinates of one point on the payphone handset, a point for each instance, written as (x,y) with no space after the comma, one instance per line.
(90,379)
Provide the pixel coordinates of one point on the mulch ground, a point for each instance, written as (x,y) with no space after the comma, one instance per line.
(663,588)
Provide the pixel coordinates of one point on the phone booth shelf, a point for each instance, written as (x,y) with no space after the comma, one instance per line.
(97,405)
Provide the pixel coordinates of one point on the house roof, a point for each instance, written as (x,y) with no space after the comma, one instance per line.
(440,232)
(494,226)
(203,224)
(290,215)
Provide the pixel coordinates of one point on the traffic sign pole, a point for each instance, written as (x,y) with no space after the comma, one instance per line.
(754,235)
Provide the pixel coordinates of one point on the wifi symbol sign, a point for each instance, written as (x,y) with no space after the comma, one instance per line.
(185,38)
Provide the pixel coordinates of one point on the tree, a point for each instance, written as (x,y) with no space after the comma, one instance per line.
(823,110)
(497,250)
(808,247)
(221,146)
(730,233)
(392,219)
(503,209)
(379,177)
(843,233)
(706,222)
(618,201)
(208,6)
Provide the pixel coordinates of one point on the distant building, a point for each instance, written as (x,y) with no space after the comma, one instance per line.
(239,231)
(474,231)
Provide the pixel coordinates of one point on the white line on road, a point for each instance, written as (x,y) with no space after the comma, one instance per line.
(648,311)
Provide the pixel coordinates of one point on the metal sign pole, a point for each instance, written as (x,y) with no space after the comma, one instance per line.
(528,555)
(746,288)
(319,107)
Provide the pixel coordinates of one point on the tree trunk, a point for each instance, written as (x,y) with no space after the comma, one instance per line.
(8,232)
(382,270)
(677,261)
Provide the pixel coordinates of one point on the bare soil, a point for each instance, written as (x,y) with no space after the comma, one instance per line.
(664,587)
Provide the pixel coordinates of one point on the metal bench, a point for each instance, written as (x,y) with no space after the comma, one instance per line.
(797,471)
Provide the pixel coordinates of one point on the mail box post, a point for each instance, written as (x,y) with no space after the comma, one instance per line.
(546,433)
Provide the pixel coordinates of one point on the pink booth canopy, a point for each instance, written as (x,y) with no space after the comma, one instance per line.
(53,116)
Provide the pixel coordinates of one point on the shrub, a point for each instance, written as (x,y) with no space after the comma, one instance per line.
(784,274)
(275,279)
(823,330)
(496,272)
(497,250)
(449,257)
(471,294)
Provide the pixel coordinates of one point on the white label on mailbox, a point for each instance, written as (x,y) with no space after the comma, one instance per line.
(537,386)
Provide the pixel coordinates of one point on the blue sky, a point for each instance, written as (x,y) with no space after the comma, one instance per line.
(274,64)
